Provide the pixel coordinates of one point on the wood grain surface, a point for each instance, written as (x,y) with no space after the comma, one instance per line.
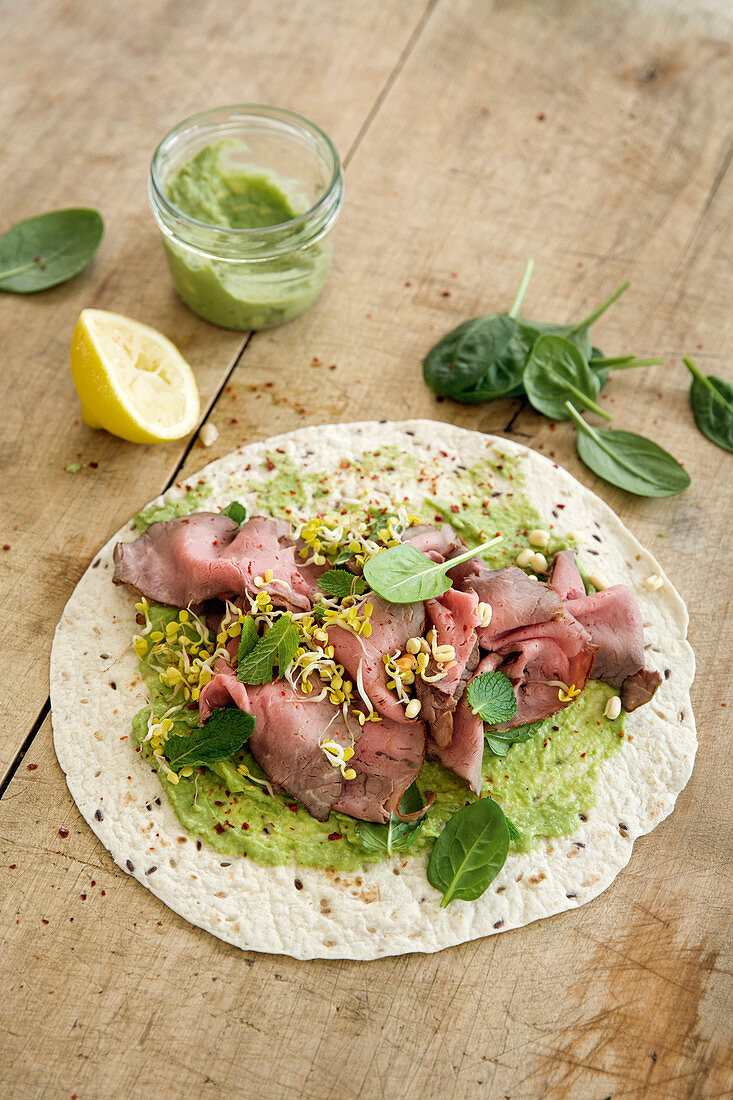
(594,136)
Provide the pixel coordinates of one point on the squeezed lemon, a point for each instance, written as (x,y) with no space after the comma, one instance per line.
(131,379)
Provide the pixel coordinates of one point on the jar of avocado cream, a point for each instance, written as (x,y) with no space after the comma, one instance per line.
(246,199)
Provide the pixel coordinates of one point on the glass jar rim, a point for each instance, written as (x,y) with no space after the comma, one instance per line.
(255,110)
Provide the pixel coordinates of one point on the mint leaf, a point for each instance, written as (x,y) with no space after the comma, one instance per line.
(248,639)
(491,696)
(277,646)
(235,511)
(224,734)
(500,743)
(341,583)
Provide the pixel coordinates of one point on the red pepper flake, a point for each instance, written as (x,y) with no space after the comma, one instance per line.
(454,508)
(93,465)
(103,893)
(234,420)
(83,897)
(269,464)
(219,828)
(293,808)
(32,767)
(446,294)
(582,756)
(245,825)
(13,866)
(63,832)
(43,920)
(335,836)
(6,546)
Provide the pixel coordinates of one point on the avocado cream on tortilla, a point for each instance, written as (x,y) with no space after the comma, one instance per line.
(297,739)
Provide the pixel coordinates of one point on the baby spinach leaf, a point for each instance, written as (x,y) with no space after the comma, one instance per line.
(470,852)
(712,406)
(491,696)
(223,734)
(555,373)
(341,583)
(500,743)
(396,835)
(44,251)
(235,511)
(469,363)
(514,833)
(629,461)
(278,646)
(402,574)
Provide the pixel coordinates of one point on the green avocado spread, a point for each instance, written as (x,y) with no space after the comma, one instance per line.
(253,282)
(545,786)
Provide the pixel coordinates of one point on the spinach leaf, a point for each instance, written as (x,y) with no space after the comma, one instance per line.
(492,697)
(500,743)
(396,835)
(402,574)
(475,362)
(277,646)
(514,833)
(555,373)
(341,583)
(44,251)
(224,734)
(712,406)
(235,511)
(470,852)
(628,460)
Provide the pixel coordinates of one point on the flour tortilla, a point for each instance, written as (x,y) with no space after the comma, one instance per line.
(386,909)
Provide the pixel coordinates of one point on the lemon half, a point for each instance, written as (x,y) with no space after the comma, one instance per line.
(131,379)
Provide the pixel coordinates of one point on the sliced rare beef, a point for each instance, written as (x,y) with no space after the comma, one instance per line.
(392,625)
(388,756)
(465,751)
(222,690)
(538,659)
(565,578)
(286,743)
(613,619)
(639,688)
(438,543)
(454,616)
(193,558)
(514,598)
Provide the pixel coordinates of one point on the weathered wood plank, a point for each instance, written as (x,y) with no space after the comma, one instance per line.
(85,103)
(631,995)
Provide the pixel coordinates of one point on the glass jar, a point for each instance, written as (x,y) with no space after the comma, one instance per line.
(247,164)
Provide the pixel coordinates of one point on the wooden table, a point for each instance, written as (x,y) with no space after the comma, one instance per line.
(593,136)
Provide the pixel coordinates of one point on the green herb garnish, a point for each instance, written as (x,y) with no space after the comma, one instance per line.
(235,511)
(627,460)
(248,638)
(470,852)
(396,835)
(712,406)
(223,734)
(403,574)
(42,252)
(500,743)
(556,372)
(491,696)
(277,646)
(341,583)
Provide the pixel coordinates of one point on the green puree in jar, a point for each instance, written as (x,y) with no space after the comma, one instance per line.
(244,290)
(543,785)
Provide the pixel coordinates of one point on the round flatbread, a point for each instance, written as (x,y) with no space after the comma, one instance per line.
(388,908)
